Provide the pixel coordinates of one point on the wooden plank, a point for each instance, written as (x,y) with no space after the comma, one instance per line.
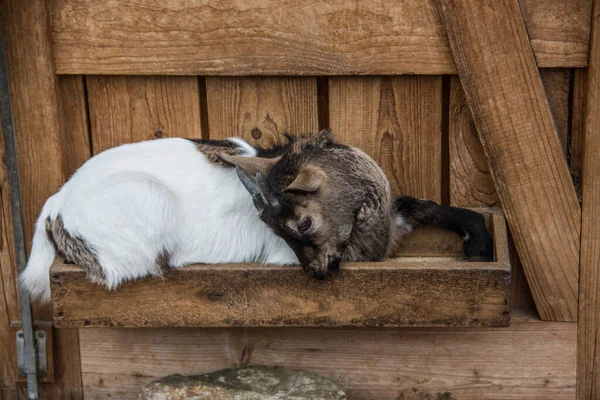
(506,97)
(588,376)
(75,140)
(130,109)
(578,126)
(556,87)
(7,340)
(261,109)
(529,360)
(288,37)
(398,122)
(471,183)
(399,292)
(38,125)
(8,267)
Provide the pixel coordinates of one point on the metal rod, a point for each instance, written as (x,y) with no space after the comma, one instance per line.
(10,155)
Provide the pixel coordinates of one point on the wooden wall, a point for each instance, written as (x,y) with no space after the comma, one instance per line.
(418,127)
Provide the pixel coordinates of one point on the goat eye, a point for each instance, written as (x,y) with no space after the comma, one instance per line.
(304,225)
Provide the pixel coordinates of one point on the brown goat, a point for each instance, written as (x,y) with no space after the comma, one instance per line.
(331,202)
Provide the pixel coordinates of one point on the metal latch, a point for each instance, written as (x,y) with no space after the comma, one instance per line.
(42,342)
(39,339)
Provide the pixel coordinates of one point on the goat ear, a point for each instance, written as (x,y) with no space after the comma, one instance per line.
(308,180)
(251,165)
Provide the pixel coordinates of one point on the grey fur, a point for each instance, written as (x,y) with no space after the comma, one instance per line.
(74,249)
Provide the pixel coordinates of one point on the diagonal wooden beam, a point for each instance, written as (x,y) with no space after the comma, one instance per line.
(588,373)
(497,69)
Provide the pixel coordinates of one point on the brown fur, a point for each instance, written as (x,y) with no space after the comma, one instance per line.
(213,149)
(351,210)
(74,249)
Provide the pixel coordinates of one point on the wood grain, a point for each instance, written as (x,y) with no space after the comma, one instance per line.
(471,183)
(588,375)
(514,121)
(75,139)
(399,292)
(131,109)
(288,37)
(529,360)
(578,126)
(261,109)
(38,124)
(556,87)
(397,121)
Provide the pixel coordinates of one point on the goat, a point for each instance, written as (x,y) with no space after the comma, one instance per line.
(142,208)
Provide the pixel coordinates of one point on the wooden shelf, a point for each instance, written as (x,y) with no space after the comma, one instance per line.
(427,286)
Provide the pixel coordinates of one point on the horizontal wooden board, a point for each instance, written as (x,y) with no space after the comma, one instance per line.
(528,360)
(268,37)
(410,291)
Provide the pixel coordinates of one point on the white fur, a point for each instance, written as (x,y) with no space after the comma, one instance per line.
(133,202)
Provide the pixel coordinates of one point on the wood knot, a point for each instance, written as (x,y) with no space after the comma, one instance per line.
(256,133)
(158,134)
(215,296)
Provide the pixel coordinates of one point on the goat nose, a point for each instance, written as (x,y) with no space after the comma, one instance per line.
(333,265)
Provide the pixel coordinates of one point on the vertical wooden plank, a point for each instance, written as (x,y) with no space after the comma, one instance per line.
(506,96)
(9,300)
(126,109)
(397,121)
(38,125)
(556,87)
(471,183)
(578,125)
(261,109)
(588,370)
(75,140)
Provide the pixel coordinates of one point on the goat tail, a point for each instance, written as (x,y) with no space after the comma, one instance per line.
(35,279)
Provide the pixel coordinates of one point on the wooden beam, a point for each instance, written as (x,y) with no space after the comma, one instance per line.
(271,37)
(528,360)
(505,93)
(588,370)
(401,292)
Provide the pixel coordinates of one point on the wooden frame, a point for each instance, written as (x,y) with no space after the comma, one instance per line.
(409,291)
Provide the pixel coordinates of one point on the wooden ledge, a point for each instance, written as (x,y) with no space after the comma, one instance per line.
(438,291)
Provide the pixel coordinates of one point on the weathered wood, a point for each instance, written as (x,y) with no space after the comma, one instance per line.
(588,373)
(38,124)
(506,97)
(556,87)
(578,126)
(8,267)
(286,37)
(75,139)
(398,122)
(7,348)
(261,109)
(131,109)
(471,183)
(399,292)
(528,360)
